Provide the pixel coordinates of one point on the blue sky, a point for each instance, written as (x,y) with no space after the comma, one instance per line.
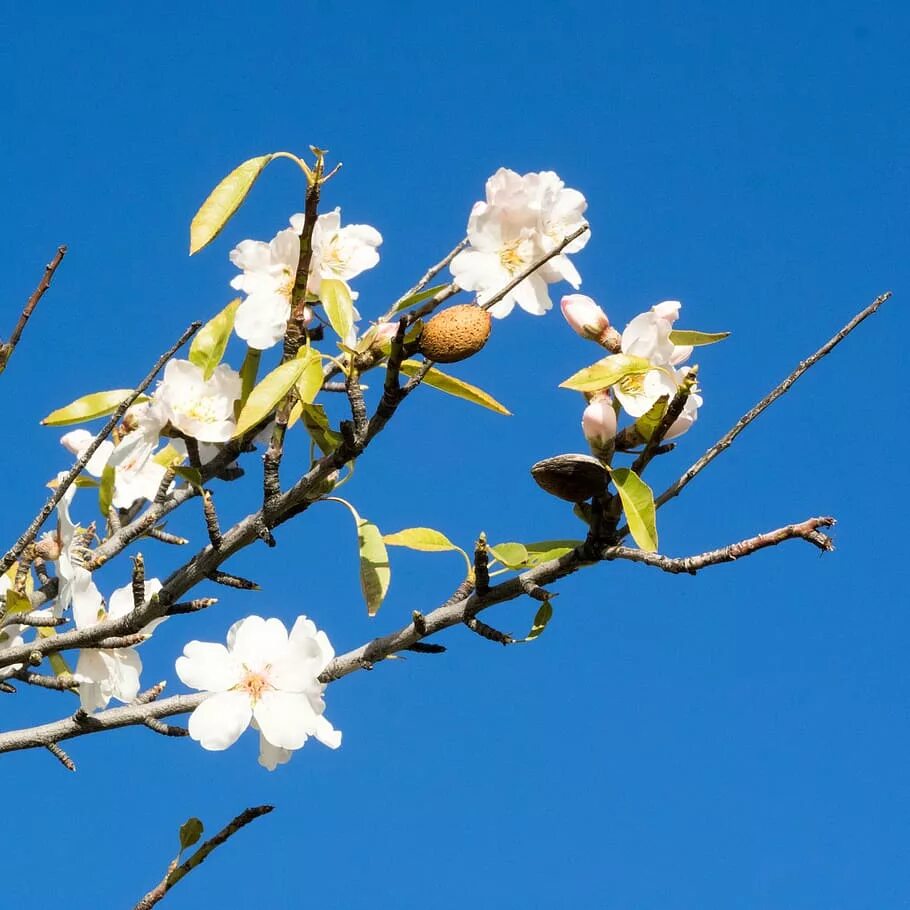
(738,739)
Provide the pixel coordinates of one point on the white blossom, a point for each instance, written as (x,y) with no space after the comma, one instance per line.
(109,673)
(338,252)
(269,274)
(648,336)
(265,677)
(523,218)
(11,635)
(203,409)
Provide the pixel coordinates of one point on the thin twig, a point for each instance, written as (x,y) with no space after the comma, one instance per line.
(6,350)
(428,276)
(29,534)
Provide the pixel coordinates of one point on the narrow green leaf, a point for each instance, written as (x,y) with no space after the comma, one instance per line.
(56,660)
(317,425)
(545,550)
(192,476)
(190,832)
(310,382)
(511,555)
(684,338)
(88,407)
(452,386)
(375,573)
(419,297)
(106,490)
(339,308)
(269,392)
(638,504)
(648,423)
(606,372)
(425,539)
(16,602)
(542,617)
(211,340)
(223,201)
(249,370)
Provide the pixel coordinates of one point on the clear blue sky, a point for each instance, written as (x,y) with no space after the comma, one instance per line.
(739,739)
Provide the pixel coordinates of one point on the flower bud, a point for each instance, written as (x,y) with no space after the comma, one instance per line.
(385,332)
(599,423)
(584,316)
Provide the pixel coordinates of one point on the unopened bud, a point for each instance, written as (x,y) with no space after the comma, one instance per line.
(599,424)
(383,333)
(584,316)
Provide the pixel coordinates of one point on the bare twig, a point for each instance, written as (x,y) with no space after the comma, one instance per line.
(6,350)
(29,534)
(428,276)
(175,872)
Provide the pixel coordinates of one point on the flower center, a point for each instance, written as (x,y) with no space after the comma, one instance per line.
(333,257)
(511,259)
(633,383)
(254,684)
(201,409)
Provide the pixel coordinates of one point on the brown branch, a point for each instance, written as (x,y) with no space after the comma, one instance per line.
(175,872)
(464,605)
(29,534)
(6,350)
(725,441)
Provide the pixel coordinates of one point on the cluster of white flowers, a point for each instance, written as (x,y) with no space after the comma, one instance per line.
(264,677)
(522,219)
(269,272)
(647,337)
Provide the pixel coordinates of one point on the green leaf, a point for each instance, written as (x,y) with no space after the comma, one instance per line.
(638,504)
(317,425)
(269,392)
(545,550)
(685,338)
(193,476)
(16,602)
(511,555)
(606,372)
(419,297)
(310,382)
(106,490)
(542,617)
(88,407)
(339,308)
(58,664)
(249,370)
(375,573)
(190,832)
(211,340)
(426,540)
(452,386)
(648,423)
(223,201)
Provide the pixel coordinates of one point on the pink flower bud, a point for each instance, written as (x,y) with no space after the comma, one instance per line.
(385,331)
(584,316)
(599,422)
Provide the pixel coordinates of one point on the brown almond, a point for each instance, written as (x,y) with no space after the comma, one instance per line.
(455,333)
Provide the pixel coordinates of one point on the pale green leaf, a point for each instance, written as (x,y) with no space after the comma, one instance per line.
(407,302)
(511,555)
(425,539)
(211,340)
(223,201)
(638,504)
(16,602)
(317,425)
(88,407)
(375,573)
(192,476)
(249,370)
(545,550)
(649,422)
(56,660)
(339,308)
(685,338)
(310,381)
(106,490)
(269,392)
(606,372)
(542,617)
(452,386)
(190,832)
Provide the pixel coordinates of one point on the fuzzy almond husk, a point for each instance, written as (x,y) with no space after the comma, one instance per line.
(455,334)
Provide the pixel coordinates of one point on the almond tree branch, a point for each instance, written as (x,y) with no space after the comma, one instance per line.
(429,275)
(462,607)
(726,440)
(6,350)
(175,872)
(29,534)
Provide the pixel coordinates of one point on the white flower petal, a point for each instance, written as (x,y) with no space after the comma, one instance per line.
(285,718)
(208,666)
(218,722)
(326,733)
(270,757)
(294,669)
(257,641)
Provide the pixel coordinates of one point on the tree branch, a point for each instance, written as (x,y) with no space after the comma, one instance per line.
(6,350)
